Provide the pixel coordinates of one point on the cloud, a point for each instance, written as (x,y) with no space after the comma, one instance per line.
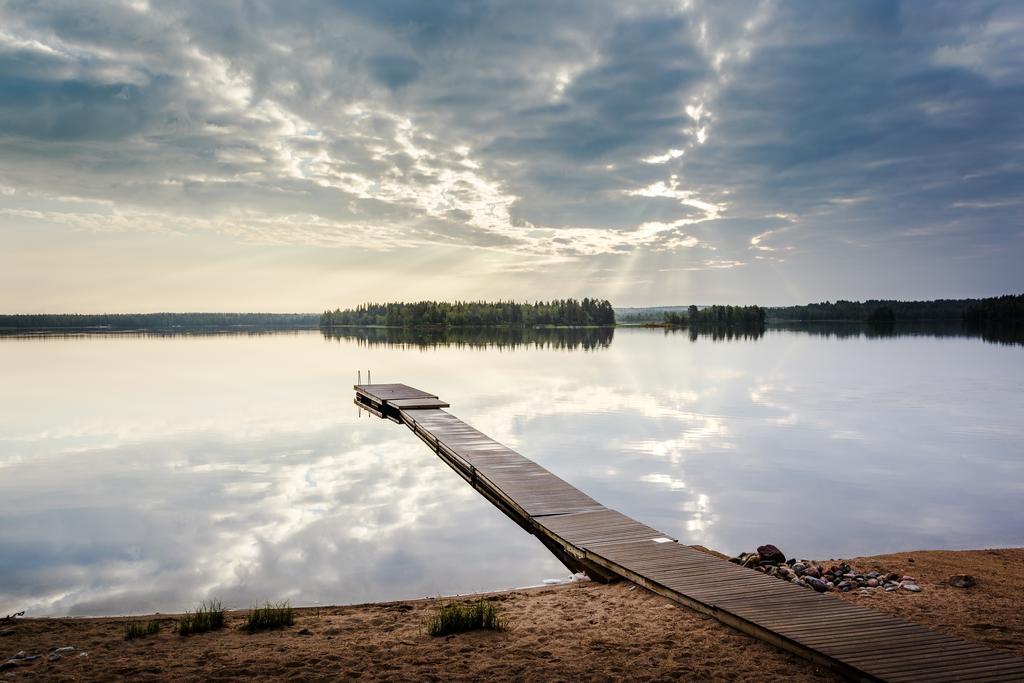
(662,158)
(685,197)
(707,264)
(759,242)
(394,71)
(565,130)
(866,117)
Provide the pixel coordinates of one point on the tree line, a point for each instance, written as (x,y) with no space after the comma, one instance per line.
(1000,311)
(720,316)
(157,321)
(474,314)
(1003,309)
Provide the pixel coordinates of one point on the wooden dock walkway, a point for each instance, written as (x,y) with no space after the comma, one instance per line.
(857,642)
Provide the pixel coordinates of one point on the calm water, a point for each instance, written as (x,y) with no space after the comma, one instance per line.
(144,473)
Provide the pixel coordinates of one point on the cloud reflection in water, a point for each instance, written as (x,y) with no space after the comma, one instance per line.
(142,474)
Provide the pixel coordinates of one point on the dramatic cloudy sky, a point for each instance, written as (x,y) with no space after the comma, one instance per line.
(298,155)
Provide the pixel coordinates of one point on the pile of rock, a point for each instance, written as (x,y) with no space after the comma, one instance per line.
(22,657)
(822,576)
(18,659)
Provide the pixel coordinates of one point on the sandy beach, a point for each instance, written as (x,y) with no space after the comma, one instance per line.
(580,631)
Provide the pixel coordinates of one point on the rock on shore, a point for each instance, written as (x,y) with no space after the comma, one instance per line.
(822,576)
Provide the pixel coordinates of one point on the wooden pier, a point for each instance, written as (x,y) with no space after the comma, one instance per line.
(857,642)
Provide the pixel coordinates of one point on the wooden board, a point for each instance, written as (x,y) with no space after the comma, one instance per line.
(416,403)
(855,641)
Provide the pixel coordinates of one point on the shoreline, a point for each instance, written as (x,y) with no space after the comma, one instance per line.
(574,630)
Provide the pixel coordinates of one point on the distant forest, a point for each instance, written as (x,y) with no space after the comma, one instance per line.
(1003,310)
(157,321)
(998,315)
(475,313)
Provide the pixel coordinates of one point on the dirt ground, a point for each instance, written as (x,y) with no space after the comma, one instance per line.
(582,631)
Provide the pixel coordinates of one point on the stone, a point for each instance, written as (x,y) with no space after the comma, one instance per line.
(770,553)
(844,585)
(799,568)
(912,587)
(816,584)
(872,575)
(872,583)
(305,632)
(751,560)
(53,657)
(66,648)
(736,560)
(962,581)
(20,655)
(813,572)
(9,664)
(908,578)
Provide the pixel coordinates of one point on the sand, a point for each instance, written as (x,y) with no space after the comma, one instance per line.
(992,612)
(582,631)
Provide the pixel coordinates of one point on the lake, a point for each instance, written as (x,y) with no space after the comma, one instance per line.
(143,473)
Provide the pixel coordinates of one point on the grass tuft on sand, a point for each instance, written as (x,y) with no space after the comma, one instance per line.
(136,629)
(459,617)
(208,617)
(269,616)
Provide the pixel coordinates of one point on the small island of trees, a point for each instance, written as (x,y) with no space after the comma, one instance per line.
(719,316)
(568,312)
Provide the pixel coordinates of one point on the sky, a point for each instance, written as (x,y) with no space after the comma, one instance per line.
(297,156)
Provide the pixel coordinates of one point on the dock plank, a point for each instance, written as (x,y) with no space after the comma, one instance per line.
(415,403)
